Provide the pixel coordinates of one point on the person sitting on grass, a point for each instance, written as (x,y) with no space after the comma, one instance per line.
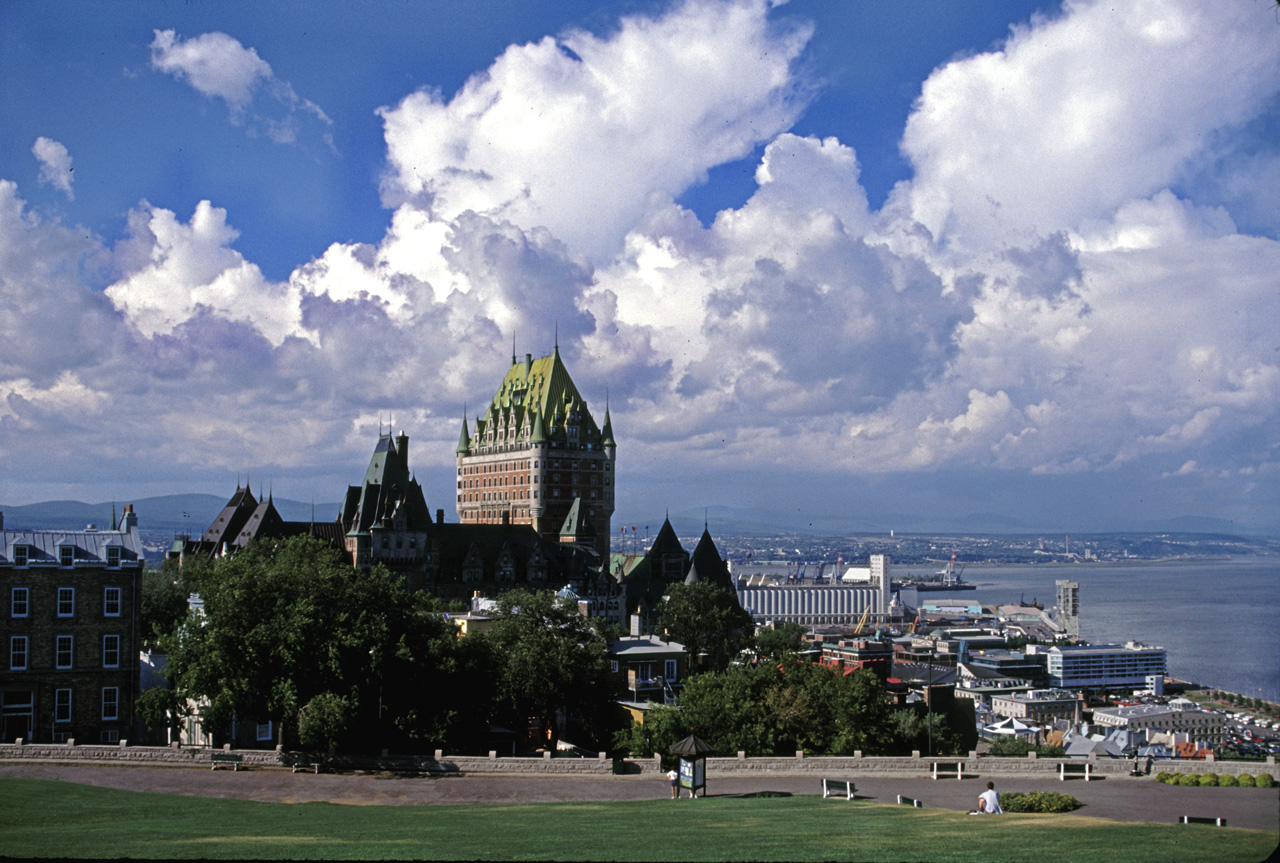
(989,801)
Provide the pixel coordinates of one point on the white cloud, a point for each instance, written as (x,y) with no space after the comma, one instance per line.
(1075,116)
(55,165)
(220,67)
(573,134)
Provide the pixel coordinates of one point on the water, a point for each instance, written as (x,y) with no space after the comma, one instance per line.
(1218,621)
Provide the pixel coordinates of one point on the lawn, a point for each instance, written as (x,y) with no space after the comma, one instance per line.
(46,818)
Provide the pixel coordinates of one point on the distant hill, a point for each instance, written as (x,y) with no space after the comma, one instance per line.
(167,514)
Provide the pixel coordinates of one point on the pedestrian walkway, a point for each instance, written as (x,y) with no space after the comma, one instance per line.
(1122,799)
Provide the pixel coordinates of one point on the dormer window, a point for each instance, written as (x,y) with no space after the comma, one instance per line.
(66,556)
(113,557)
(20,555)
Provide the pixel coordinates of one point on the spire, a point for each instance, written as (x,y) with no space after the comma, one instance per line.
(606,432)
(464,440)
(557,342)
(513,349)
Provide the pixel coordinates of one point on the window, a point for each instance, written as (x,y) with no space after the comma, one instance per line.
(19,555)
(63,650)
(613,665)
(109,735)
(19,601)
(111,601)
(264,730)
(66,556)
(113,557)
(110,703)
(110,651)
(62,705)
(669,671)
(18,653)
(66,601)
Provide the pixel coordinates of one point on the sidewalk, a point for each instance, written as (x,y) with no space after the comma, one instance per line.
(1122,799)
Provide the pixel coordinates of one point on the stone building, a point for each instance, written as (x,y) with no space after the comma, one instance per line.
(71,668)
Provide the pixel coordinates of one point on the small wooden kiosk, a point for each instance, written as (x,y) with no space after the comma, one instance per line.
(693,764)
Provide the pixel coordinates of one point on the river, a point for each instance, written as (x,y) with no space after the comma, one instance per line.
(1218,620)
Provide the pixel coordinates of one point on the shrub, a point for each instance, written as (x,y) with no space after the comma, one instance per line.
(1264,780)
(1208,779)
(1166,777)
(1244,780)
(1187,779)
(1226,780)
(1038,801)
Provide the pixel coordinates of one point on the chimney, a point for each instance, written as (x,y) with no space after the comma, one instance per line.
(1,521)
(440,516)
(129,521)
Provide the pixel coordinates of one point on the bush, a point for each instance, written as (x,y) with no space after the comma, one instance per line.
(1208,779)
(1244,780)
(1188,780)
(1038,801)
(1166,777)
(1227,781)
(1264,780)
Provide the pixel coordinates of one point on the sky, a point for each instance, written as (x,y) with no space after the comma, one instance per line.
(829,258)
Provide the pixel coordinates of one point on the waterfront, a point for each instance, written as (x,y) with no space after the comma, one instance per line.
(1218,620)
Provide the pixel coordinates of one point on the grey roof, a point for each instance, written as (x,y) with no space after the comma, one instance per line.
(43,547)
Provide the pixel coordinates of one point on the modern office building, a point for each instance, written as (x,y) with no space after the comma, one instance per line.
(1101,666)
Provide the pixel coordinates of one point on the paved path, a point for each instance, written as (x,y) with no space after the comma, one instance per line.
(1122,799)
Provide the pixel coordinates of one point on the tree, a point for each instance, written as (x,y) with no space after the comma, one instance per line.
(548,659)
(772,709)
(288,622)
(163,601)
(778,642)
(704,617)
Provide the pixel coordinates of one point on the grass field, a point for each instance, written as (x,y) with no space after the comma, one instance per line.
(45,818)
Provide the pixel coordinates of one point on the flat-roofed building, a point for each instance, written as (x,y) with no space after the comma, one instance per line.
(1199,724)
(1040,706)
(1102,666)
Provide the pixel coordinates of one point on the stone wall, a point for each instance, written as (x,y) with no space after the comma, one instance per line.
(834,767)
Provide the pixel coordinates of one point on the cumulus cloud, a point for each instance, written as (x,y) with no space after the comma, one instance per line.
(1042,297)
(573,133)
(1075,116)
(220,67)
(55,165)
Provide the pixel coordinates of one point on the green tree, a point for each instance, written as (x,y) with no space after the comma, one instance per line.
(780,641)
(287,622)
(772,709)
(162,604)
(705,618)
(547,659)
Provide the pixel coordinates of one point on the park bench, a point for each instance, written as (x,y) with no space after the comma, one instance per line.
(225,758)
(306,762)
(838,788)
(958,765)
(1081,767)
(910,801)
(1192,819)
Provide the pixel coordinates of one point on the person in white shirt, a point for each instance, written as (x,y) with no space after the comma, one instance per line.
(989,801)
(672,776)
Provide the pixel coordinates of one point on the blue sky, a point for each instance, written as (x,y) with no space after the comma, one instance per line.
(928,258)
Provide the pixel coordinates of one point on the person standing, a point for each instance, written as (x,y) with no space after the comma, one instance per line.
(989,801)
(672,776)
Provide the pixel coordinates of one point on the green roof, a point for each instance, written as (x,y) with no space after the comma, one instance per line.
(538,395)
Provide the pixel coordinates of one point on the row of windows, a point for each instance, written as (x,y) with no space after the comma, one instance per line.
(63,651)
(20,602)
(522,494)
(110,704)
(23,555)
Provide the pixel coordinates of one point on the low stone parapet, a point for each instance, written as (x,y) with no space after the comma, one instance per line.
(545,765)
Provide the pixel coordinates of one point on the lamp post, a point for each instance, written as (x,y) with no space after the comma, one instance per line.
(928,698)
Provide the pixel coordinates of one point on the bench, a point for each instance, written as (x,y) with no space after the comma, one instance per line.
(1192,819)
(221,758)
(909,801)
(958,765)
(832,788)
(306,762)
(1083,767)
